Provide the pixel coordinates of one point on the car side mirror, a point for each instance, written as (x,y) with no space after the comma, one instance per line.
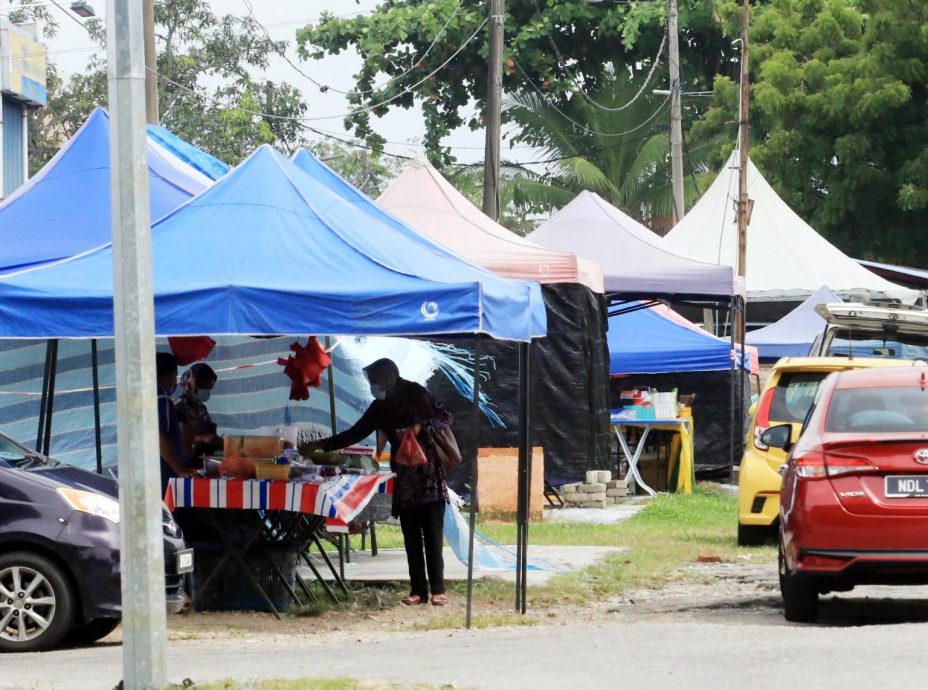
(779,436)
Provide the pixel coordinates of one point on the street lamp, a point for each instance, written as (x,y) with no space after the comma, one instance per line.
(82,9)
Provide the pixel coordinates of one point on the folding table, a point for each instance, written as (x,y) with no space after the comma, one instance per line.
(681,425)
(282,511)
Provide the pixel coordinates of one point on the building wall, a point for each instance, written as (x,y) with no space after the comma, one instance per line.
(13,146)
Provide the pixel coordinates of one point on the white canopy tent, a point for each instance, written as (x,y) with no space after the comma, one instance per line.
(787,260)
(636,262)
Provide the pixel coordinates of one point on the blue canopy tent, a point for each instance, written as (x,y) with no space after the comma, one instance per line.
(258,254)
(64,209)
(792,336)
(643,341)
(255,255)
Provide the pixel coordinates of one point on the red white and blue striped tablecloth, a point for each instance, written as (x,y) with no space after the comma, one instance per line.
(339,499)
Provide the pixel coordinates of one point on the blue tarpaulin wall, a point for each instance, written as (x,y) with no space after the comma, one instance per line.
(645,342)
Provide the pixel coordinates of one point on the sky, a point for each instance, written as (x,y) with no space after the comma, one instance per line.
(72,48)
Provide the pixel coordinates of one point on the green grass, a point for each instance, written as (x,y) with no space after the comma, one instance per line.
(305,684)
(673,530)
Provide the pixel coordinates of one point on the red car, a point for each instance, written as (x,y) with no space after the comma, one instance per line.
(854,501)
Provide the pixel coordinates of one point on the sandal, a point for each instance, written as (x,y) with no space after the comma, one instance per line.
(439,599)
(412,600)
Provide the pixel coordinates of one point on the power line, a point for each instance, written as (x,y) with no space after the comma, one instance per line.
(562,63)
(325,87)
(582,126)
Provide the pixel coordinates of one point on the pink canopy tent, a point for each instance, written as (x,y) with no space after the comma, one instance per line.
(431,204)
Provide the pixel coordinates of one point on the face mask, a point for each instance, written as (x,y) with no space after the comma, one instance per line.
(203,394)
(378,392)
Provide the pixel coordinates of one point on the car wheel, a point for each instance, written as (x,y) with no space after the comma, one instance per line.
(800,594)
(88,633)
(752,535)
(36,603)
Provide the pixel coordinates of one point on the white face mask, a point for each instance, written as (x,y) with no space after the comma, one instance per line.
(203,394)
(378,392)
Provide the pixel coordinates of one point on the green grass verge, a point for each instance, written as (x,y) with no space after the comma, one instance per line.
(673,530)
(305,684)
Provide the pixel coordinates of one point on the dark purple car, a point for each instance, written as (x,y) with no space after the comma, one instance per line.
(59,553)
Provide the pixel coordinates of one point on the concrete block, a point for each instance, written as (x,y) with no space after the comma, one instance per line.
(604,476)
(594,504)
(592,488)
(617,493)
(610,501)
(598,496)
(575,497)
(592,476)
(617,484)
(570,488)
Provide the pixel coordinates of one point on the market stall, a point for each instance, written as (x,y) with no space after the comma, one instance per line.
(256,254)
(569,378)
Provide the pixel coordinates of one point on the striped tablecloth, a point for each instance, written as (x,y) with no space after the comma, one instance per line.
(339,499)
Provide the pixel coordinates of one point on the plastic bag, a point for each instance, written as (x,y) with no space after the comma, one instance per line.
(410,453)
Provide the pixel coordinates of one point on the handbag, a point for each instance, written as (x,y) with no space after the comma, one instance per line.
(410,453)
(446,449)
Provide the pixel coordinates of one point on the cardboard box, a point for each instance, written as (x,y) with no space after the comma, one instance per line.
(497,481)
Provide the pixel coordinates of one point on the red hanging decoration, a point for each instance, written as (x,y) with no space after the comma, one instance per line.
(304,368)
(190,349)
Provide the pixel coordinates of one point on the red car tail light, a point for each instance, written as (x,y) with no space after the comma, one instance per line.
(812,465)
(838,466)
(762,419)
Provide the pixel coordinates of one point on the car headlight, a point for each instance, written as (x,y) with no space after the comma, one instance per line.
(93,503)
(168,523)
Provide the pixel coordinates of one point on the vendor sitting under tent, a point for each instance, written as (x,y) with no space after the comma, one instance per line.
(198,430)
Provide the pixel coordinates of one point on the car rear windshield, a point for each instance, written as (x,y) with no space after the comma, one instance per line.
(884,409)
(868,344)
(793,396)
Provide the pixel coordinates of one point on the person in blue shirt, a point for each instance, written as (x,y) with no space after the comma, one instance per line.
(173,458)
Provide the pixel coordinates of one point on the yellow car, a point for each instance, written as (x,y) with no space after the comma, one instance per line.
(786,399)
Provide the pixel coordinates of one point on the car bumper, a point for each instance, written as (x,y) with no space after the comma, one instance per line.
(758,492)
(90,547)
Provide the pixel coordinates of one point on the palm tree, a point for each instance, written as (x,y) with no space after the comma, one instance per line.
(591,142)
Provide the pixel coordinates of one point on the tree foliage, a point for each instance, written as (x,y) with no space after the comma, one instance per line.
(838,103)
(559,46)
(208,91)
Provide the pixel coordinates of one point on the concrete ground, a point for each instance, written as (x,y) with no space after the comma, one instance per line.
(390,564)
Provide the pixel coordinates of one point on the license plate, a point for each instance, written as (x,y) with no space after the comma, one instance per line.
(906,487)
(184,561)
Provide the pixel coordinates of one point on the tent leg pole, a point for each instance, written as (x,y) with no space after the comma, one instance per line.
(331,377)
(98,440)
(520,481)
(43,401)
(731,398)
(473,487)
(525,460)
(50,400)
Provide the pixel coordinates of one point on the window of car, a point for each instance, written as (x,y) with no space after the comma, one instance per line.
(847,343)
(794,394)
(883,409)
(11,453)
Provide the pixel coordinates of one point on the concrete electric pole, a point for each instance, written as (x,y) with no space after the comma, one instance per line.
(144,624)
(494,111)
(743,165)
(152,116)
(676,115)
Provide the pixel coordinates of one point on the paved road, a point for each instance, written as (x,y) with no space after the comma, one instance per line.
(742,644)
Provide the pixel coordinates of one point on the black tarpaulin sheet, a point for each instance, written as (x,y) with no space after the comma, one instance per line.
(569,389)
(711,410)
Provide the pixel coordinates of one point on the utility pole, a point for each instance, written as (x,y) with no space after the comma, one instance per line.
(743,165)
(144,624)
(494,111)
(676,115)
(365,171)
(152,116)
